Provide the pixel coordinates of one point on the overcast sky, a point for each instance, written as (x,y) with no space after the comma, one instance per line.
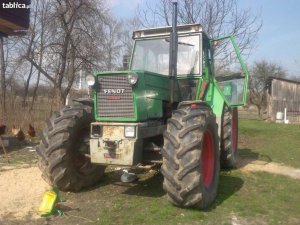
(278,40)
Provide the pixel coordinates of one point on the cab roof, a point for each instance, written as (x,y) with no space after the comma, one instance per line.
(165,31)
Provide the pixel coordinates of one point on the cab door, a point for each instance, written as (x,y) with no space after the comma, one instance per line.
(230,71)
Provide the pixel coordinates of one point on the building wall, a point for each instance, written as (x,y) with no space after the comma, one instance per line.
(284,94)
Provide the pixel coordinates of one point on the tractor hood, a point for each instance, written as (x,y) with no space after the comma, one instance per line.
(116,99)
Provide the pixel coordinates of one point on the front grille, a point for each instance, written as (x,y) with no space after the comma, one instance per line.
(111,104)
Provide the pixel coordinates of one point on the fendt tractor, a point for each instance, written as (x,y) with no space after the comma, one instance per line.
(169,108)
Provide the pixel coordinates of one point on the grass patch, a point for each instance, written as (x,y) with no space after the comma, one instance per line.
(243,198)
(270,141)
(258,198)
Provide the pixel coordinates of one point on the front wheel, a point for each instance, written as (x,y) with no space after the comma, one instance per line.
(191,162)
(63,151)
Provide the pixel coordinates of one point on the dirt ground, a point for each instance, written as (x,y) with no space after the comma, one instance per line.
(22,189)
(247,165)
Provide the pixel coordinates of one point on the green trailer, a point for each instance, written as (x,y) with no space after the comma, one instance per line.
(170,107)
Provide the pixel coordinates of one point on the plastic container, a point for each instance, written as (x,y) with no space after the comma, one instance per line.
(279,116)
(48,202)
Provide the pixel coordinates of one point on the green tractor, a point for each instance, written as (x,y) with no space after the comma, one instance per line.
(170,107)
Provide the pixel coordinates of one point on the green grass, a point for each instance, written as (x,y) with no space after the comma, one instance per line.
(243,197)
(258,198)
(246,198)
(270,141)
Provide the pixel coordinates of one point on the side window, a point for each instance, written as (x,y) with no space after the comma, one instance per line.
(188,57)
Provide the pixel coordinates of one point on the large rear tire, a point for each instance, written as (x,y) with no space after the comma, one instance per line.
(62,153)
(229,137)
(191,161)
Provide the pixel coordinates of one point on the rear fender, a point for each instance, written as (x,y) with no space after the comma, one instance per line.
(197,105)
(192,104)
(85,101)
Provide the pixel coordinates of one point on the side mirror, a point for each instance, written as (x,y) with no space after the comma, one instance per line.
(125,62)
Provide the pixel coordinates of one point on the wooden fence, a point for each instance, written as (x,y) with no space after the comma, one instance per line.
(248,113)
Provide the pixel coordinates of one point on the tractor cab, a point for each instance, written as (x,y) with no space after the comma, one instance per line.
(152,53)
(195,59)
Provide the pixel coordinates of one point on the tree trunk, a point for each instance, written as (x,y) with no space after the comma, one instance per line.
(35,91)
(37,79)
(27,86)
(259,111)
(59,98)
(2,78)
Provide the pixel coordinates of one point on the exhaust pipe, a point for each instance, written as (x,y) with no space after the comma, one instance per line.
(173,51)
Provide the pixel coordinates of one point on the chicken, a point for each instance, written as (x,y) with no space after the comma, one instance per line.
(31,131)
(128,177)
(18,133)
(2,129)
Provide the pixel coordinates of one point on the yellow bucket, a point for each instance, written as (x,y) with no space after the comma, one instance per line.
(48,202)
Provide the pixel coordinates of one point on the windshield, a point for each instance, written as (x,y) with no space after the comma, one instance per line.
(153,55)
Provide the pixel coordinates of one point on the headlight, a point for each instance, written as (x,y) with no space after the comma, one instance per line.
(132,78)
(90,80)
(96,130)
(129,131)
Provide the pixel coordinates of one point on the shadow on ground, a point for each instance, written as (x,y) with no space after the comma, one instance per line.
(247,156)
(150,187)
(149,184)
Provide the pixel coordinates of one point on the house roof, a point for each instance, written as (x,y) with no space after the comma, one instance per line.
(282,79)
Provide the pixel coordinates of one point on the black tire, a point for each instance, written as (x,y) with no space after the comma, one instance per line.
(61,153)
(185,161)
(229,137)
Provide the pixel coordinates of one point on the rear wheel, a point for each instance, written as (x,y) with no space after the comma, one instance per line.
(63,151)
(229,137)
(191,158)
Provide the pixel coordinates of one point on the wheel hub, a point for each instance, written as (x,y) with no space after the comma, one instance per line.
(207,158)
(234,130)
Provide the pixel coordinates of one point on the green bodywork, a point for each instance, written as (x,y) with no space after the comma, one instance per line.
(152,89)
(149,94)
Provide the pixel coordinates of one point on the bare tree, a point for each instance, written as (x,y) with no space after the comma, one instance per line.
(64,37)
(259,75)
(218,18)
(30,51)
(130,26)
(111,43)
(6,48)
(41,11)
(70,24)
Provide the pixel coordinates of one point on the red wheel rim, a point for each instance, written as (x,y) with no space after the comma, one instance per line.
(234,129)
(207,158)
